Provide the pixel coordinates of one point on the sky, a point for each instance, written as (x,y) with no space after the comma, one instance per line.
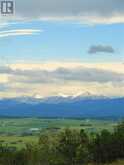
(59,47)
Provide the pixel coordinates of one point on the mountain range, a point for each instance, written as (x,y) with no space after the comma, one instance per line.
(63,106)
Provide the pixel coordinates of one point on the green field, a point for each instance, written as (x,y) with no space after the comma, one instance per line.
(15,133)
(120,162)
(20,125)
(19,131)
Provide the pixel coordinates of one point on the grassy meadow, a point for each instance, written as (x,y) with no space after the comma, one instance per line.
(19,131)
(32,138)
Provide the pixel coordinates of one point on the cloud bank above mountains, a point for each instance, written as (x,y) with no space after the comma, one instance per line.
(62,75)
(20,81)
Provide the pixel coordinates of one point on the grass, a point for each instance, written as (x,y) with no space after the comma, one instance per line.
(16,141)
(16,131)
(119,162)
(12,130)
(13,125)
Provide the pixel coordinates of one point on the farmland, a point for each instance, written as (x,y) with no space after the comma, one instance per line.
(19,131)
(35,137)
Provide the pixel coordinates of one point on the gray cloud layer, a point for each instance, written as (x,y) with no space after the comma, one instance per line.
(97,11)
(3,87)
(101,49)
(47,8)
(62,75)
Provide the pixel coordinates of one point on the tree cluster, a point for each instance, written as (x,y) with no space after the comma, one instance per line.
(69,147)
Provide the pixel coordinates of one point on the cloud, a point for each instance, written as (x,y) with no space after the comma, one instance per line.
(4,25)
(28,80)
(3,87)
(62,75)
(101,49)
(19,32)
(85,11)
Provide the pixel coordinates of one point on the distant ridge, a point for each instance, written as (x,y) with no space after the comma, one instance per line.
(60,98)
(63,106)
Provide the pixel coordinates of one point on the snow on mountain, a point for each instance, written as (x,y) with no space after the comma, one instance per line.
(60,98)
(84,105)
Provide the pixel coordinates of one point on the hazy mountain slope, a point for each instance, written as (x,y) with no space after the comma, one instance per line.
(66,107)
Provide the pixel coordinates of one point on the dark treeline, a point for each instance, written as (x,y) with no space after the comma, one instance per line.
(69,147)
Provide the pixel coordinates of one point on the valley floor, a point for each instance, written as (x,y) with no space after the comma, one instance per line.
(18,131)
